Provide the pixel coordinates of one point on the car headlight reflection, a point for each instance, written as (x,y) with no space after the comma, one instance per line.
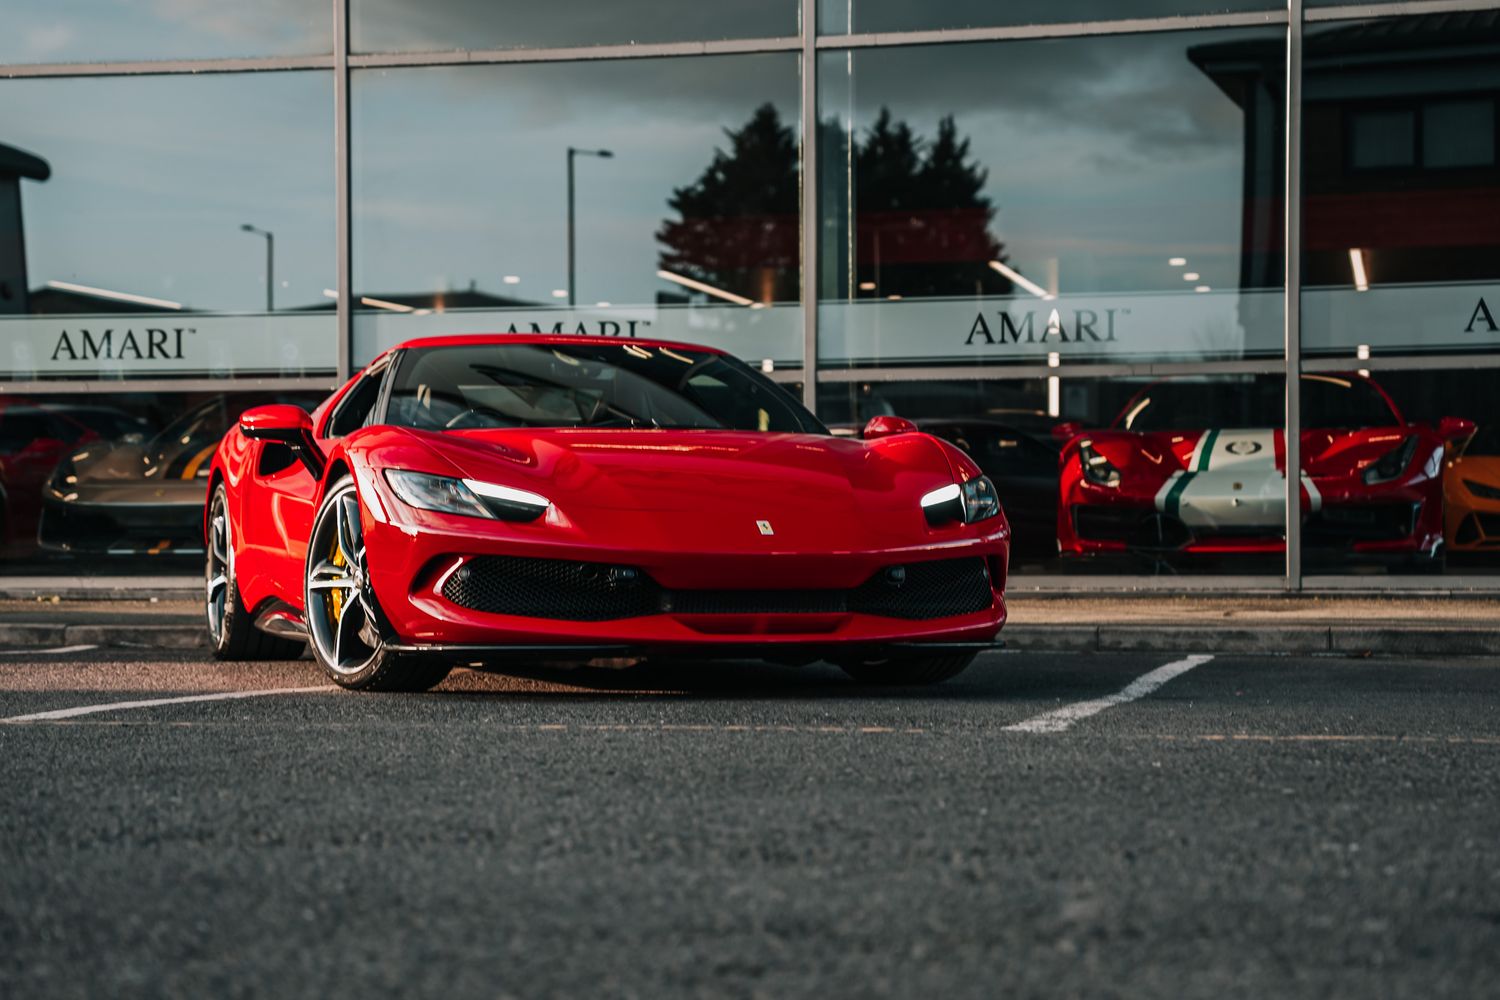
(1392,464)
(972,501)
(468,497)
(1096,468)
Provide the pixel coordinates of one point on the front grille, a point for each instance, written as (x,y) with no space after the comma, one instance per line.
(1360,523)
(586,592)
(930,590)
(552,588)
(1137,527)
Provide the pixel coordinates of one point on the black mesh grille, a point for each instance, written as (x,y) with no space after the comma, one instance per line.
(930,590)
(553,588)
(575,591)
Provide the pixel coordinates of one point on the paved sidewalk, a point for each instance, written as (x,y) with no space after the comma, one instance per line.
(1447,626)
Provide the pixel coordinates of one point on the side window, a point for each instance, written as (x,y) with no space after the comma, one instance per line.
(355,407)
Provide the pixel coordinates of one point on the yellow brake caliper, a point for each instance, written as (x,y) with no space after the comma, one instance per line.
(335,595)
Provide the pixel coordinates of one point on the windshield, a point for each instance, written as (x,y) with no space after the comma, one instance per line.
(1328,402)
(587,385)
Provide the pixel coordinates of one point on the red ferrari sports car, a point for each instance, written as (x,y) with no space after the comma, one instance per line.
(508,498)
(1195,466)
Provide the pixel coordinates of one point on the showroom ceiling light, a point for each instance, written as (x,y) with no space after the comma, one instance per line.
(512,279)
(1203,288)
(1022,280)
(105,293)
(559,293)
(1177,261)
(1357,262)
(1191,276)
(395,307)
(706,289)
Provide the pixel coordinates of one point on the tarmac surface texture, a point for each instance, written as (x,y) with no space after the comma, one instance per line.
(1047,824)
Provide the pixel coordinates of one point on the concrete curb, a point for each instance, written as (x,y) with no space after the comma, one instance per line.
(1294,639)
(1286,640)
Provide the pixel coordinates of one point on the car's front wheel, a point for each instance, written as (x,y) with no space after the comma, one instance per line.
(924,670)
(344,624)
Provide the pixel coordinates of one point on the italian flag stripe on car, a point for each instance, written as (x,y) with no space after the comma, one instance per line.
(1204,452)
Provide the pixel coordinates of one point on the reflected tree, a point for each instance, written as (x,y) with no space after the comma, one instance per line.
(737,223)
(922,222)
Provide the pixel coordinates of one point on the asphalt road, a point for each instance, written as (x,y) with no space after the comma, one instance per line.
(1253,827)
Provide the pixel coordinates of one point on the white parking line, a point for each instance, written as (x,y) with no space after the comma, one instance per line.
(119,706)
(53,650)
(1058,720)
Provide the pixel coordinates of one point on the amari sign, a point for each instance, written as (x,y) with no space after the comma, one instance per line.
(1146,327)
(174,344)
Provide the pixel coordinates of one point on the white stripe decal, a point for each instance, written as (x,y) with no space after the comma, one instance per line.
(1314,498)
(1063,718)
(119,706)
(54,650)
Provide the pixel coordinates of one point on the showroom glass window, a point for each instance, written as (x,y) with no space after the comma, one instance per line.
(683,219)
(1401,260)
(439,25)
(1091,199)
(125,251)
(57,31)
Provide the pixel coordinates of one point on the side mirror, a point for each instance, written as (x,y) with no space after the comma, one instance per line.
(1453,429)
(288,425)
(1066,431)
(885,426)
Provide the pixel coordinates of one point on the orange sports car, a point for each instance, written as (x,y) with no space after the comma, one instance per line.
(1471,493)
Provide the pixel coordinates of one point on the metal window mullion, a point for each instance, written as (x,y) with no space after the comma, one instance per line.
(1000,33)
(343,268)
(810,219)
(1292,241)
(124,386)
(1364,11)
(1419,362)
(575,53)
(165,67)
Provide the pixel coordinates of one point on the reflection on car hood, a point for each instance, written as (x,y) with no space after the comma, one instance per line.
(729,471)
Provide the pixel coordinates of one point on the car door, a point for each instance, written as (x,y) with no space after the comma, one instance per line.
(287,492)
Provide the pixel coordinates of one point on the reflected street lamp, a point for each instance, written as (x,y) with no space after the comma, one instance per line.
(270,263)
(603,154)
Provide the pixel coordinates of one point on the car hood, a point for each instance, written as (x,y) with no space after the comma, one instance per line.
(729,471)
(711,490)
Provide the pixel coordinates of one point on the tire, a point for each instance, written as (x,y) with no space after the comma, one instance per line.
(927,670)
(231,632)
(345,627)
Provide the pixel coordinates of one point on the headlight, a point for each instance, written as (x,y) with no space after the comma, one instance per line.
(468,497)
(973,501)
(1096,468)
(980,500)
(1391,464)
